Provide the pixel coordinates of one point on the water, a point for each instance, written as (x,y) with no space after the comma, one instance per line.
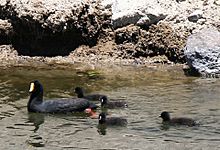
(148,92)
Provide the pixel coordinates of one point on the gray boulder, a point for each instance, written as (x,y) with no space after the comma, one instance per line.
(202,52)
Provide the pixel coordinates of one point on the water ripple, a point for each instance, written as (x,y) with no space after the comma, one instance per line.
(147,92)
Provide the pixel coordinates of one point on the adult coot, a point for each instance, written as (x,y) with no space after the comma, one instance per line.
(114,104)
(36,103)
(81,94)
(113,121)
(177,121)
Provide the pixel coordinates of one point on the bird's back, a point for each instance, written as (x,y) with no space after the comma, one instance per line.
(183,121)
(64,105)
(116,121)
(92,97)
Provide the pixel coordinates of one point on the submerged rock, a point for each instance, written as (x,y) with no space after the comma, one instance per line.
(202,52)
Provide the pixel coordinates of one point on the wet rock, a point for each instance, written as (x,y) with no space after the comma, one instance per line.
(6,32)
(195,16)
(54,27)
(202,52)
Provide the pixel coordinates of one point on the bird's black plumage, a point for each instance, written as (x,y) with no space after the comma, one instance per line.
(177,121)
(81,94)
(113,104)
(112,121)
(37,104)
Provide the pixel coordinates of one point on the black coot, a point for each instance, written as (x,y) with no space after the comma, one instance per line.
(81,94)
(113,104)
(111,121)
(177,121)
(36,103)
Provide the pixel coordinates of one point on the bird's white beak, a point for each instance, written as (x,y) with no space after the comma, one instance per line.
(31,87)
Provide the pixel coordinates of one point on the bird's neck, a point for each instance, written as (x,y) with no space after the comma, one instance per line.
(166,119)
(35,98)
(104,103)
(80,95)
(102,121)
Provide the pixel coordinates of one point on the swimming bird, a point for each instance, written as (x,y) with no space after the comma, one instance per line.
(112,121)
(177,121)
(37,104)
(114,104)
(81,94)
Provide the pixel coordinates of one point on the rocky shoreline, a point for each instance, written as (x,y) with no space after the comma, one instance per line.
(36,33)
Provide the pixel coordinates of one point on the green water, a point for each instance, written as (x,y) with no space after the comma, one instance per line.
(148,92)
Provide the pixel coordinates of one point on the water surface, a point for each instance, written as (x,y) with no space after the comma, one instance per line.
(148,92)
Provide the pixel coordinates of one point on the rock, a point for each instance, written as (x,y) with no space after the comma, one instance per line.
(54,27)
(180,0)
(202,52)
(125,12)
(6,32)
(161,40)
(217,2)
(150,19)
(142,29)
(179,13)
(8,55)
(129,34)
(195,16)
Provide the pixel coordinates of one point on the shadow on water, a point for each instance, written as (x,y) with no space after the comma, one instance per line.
(103,129)
(165,127)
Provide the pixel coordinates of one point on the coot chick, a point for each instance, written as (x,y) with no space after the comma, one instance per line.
(177,121)
(36,103)
(81,94)
(112,121)
(111,105)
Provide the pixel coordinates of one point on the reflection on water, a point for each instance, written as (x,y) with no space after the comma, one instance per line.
(148,92)
(102,129)
(37,119)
